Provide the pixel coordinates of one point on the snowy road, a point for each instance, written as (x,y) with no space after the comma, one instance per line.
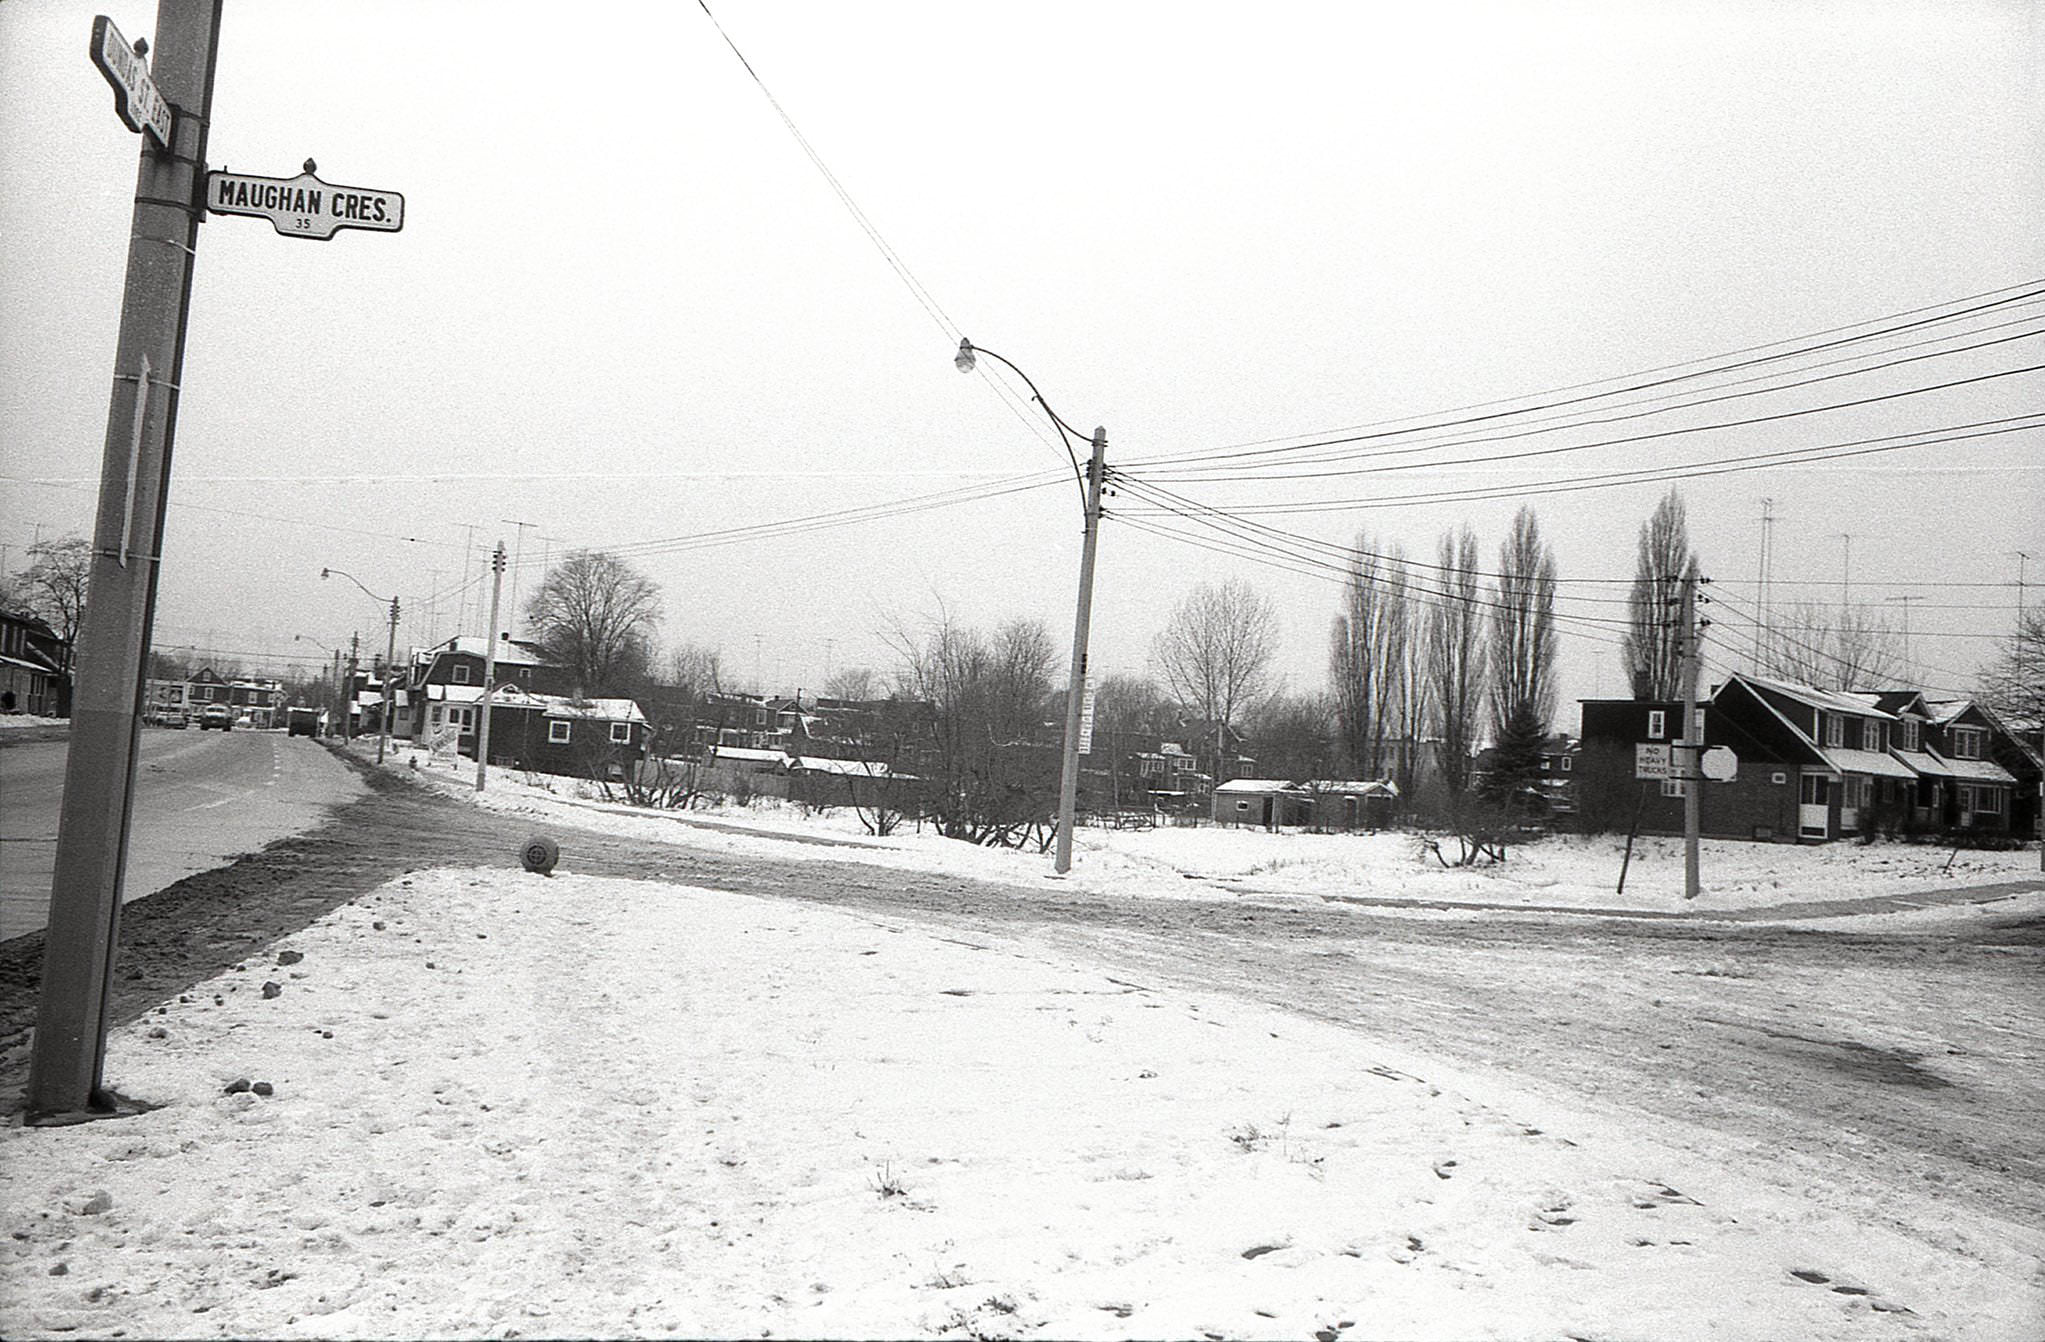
(201,799)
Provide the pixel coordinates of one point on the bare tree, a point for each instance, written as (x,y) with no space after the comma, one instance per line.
(1416,708)
(1831,648)
(1130,712)
(2014,683)
(1652,644)
(1292,736)
(1368,659)
(693,670)
(1455,659)
(54,586)
(1522,657)
(855,683)
(1214,655)
(596,614)
(992,783)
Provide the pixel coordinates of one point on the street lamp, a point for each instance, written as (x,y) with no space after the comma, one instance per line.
(390,658)
(1090,502)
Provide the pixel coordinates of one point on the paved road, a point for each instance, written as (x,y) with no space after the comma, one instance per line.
(202,799)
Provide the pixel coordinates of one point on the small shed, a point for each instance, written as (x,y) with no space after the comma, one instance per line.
(1352,803)
(1268,802)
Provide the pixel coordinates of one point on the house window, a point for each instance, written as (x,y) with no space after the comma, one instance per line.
(1835,730)
(1912,736)
(466,717)
(1988,800)
(1657,724)
(1966,743)
(557,731)
(1568,761)
(461,673)
(1778,778)
(1870,735)
(1815,792)
(759,717)
(621,733)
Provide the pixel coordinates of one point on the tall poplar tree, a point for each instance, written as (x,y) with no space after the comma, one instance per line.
(1652,645)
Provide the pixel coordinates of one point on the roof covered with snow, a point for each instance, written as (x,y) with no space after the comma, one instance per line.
(1860,704)
(1871,762)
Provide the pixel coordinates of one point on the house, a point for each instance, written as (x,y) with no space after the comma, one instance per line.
(1989,765)
(255,699)
(555,734)
(1812,764)
(33,658)
(447,684)
(206,687)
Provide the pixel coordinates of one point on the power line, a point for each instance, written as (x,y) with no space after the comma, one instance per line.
(1713,427)
(2009,295)
(1231,473)
(1656,474)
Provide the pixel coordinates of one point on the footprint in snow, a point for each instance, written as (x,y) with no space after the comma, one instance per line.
(1817,1278)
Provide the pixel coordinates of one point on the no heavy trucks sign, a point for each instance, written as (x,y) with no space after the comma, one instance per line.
(304,206)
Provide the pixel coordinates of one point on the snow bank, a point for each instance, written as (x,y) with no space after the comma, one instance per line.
(1563,871)
(502,1104)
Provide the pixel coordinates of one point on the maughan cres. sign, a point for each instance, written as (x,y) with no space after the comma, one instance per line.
(304,206)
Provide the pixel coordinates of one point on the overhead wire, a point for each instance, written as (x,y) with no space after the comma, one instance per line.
(2027,292)
(1853,448)
(1264,474)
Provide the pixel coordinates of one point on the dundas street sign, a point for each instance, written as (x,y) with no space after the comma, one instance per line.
(304,206)
(135,95)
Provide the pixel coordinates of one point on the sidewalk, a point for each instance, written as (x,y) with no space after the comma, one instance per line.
(501,1103)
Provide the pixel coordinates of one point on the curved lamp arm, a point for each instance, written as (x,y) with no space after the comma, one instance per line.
(1066,433)
(335,572)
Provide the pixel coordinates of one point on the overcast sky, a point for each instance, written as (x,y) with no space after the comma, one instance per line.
(627,308)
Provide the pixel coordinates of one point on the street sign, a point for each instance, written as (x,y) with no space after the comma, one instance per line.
(1650,761)
(1086,718)
(135,96)
(1720,765)
(304,206)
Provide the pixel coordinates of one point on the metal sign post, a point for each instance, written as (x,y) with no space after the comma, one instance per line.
(173,102)
(169,104)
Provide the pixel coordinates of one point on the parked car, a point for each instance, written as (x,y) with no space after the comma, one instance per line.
(175,717)
(216,715)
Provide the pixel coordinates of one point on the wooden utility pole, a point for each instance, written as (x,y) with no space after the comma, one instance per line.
(173,93)
(1693,745)
(489,669)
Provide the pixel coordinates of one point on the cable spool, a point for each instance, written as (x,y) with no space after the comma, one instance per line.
(539,854)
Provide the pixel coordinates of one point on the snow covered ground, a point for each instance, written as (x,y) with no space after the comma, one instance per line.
(1562,871)
(505,1104)
(488,1103)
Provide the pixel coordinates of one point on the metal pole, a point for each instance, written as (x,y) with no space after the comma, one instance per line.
(489,669)
(390,674)
(69,1054)
(348,694)
(1075,689)
(1693,785)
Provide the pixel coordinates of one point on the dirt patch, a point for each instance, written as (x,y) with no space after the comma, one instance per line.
(1867,1062)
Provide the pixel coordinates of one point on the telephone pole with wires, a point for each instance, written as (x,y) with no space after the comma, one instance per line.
(1690,747)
